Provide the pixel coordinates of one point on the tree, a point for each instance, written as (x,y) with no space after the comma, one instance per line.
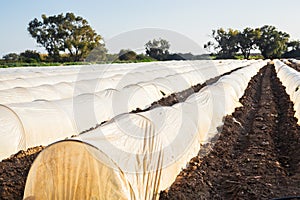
(127,54)
(209,46)
(59,33)
(157,49)
(11,57)
(227,42)
(30,56)
(49,33)
(144,58)
(99,54)
(81,38)
(294,45)
(293,49)
(247,40)
(271,42)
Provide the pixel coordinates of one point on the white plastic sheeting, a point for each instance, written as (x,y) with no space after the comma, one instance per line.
(28,77)
(106,69)
(295,61)
(135,156)
(68,84)
(74,81)
(290,78)
(42,122)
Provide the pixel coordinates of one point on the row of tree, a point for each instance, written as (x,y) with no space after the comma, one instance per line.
(31,56)
(271,42)
(70,38)
(28,56)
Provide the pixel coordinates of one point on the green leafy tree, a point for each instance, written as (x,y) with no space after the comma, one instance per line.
(227,42)
(158,49)
(30,56)
(271,42)
(247,40)
(81,38)
(293,49)
(144,58)
(59,33)
(11,57)
(127,54)
(50,34)
(293,45)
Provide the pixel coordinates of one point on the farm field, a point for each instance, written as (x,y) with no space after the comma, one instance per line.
(73,109)
(239,111)
(256,155)
(152,100)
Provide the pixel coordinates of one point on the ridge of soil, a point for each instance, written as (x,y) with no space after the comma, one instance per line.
(13,173)
(257,154)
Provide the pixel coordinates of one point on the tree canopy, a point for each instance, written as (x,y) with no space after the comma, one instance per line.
(30,56)
(271,42)
(293,49)
(127,54)
(227,41)
(61,33)
(11,57)
(157,49)
(247,40)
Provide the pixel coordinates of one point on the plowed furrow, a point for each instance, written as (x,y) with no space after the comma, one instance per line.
(257,154)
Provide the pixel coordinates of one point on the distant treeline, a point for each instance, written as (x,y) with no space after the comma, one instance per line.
(271,42)
(70,39)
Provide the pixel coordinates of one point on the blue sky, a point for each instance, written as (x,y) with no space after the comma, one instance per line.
(193,19)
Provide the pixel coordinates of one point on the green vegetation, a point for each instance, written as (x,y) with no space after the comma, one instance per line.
(158,49)
(64,33)
(127,55)
(271,42)
(5,64)
(247,41)
(70,40)
(227,42)
(267,39)
(294,50)
(251,57)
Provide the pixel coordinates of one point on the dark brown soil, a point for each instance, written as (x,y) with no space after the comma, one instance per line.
(13,173)
(257,155)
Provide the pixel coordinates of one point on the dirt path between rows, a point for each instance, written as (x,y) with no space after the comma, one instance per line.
(257,155)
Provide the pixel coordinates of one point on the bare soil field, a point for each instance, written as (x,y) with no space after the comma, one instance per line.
(13,173)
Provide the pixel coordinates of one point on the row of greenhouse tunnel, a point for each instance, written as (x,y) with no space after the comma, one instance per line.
(130,155)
